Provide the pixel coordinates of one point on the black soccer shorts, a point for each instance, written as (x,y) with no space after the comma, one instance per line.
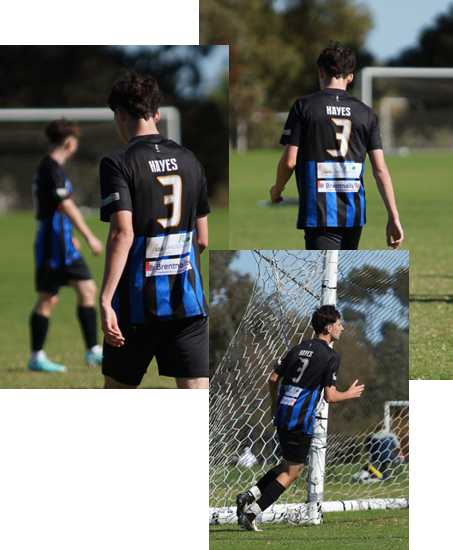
(332,238)
(294,444)
(181,348)
(50,280)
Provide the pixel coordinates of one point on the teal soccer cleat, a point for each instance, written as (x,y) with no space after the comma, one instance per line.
(93,359)
(45,365)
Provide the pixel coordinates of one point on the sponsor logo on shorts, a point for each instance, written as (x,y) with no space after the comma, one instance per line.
(293,391)
(288,401)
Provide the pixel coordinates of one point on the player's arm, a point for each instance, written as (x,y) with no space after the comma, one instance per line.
(285,170)
(201,225)
(119,242)
(69,207)
(273,392)
(331,395)
(381,175)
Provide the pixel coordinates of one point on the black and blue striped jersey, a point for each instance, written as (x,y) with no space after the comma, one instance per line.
(164,187)
(306,370)
(53,240)
(333,131)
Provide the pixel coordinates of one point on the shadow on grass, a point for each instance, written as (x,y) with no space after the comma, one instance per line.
(426,298)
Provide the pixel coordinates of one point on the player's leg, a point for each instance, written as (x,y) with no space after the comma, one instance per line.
(111,384)
(200,383)
(39,326)
(290,472)
(244,500)
(86,313)
(273,491)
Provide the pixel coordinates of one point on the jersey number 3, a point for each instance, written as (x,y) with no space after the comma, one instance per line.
(343,137)
(301,370)
(174,199)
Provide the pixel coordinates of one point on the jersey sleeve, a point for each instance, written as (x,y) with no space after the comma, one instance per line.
(374,140)
(203,205)
(57,179)
(115,192)
(282,366)
(330,374)
(291,132)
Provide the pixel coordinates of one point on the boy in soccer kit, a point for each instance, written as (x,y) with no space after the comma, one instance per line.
(58,260)
(327,136)
(154,195)
(308,368)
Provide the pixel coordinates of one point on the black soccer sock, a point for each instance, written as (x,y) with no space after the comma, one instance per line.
(272,493)
(266,480)
(38,331)
(88,322)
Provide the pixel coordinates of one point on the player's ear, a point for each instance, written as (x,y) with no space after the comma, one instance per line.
(157,116)
(350,78)
(121,114)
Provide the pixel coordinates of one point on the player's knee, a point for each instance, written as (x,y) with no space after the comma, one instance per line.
(88,293)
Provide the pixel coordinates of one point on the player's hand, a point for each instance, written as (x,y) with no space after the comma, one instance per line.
(276,196)
(95,245)
(76,243)
(395,232)
(110,328)
(273,411)
(355,391)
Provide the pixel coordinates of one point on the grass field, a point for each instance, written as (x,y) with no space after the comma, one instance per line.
(64,342)
(424,196)
(374,529)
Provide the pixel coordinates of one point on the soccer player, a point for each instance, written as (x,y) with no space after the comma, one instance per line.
(304,372)
(58,260)
(153,193)
(327,136)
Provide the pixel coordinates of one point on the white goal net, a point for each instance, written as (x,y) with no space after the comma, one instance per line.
(367,453)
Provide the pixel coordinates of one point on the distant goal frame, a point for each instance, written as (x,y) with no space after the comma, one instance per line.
(170,114)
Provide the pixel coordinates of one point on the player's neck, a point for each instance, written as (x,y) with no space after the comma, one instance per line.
(141,127)
(326,337)
(58,154)
(335,83)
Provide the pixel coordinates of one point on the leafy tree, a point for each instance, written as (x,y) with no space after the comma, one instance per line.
(229,294)
(435,47)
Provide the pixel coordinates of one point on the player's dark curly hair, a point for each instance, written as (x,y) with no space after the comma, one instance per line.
(337,61)
(58,130)
(323,316)
(140,96)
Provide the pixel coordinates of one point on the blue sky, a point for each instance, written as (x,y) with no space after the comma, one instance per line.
(245,263)
(399,23)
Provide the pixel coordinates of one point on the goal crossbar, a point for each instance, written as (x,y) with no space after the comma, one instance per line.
(170,114)
(368,73)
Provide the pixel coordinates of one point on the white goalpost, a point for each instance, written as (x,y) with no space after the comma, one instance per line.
(370,289)
(169,115)
(414,104)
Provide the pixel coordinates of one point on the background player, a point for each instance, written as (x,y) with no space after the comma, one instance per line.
(58,260)
(326,138)
(153,193)
(304,372)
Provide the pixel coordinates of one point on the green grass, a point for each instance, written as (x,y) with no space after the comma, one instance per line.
(424,196)
(373,529)
(64,342)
